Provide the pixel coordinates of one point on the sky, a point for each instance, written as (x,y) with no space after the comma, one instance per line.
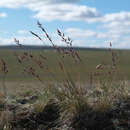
(89,23)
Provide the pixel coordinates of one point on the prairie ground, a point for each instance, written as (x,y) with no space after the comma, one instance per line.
(90,59)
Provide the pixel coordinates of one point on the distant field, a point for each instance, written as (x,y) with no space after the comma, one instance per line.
(77,70)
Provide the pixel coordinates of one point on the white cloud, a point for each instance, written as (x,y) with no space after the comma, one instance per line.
(121,16)
(117,26)
(24,40)
(21,3)
(5,41)
(22,32)
(66,10)
(92,38)
(3,15)
(118,23)
(62,1)
(12,3)
(81,33)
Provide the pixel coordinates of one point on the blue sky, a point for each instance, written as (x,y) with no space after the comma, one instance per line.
(90,23)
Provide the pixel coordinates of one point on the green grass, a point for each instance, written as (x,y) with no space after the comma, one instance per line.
(77,70)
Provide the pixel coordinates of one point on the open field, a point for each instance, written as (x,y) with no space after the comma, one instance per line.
(90,59)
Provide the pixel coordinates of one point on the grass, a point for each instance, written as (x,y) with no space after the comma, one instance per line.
(64,100)
(90,60)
